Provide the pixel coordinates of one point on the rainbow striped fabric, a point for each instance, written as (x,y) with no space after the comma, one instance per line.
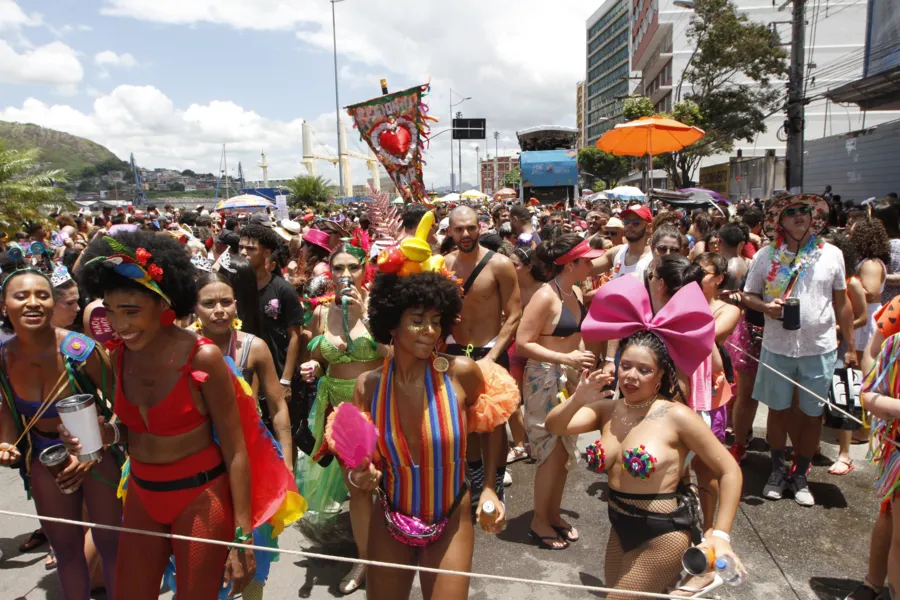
(885,379)
(427,488)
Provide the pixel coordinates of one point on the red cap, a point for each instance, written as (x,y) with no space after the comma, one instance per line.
(582,250)
(640,211)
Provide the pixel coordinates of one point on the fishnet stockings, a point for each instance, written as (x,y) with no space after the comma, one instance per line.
(198,566)
(651,567)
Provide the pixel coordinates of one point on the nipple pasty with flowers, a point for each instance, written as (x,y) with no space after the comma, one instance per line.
(639,462)
(596,457)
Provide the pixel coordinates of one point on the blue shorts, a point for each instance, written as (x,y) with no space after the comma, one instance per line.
(812,372)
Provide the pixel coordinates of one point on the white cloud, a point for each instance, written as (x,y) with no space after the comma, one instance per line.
(517,59)
(13,17)
(108,58)
(54,63)
(143,120)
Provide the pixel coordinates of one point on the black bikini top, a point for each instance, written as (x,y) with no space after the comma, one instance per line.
(567,325)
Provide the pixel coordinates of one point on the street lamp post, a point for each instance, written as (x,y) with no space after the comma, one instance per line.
(452,168)
(459,149)
(337,101)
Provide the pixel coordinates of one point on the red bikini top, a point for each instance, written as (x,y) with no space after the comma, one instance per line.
(174,414)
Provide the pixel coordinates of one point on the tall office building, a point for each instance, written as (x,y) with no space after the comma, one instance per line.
(608,67)
(580,115)
(835,41)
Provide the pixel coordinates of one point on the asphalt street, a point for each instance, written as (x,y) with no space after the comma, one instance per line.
(791,552)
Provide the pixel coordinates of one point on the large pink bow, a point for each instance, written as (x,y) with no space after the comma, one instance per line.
(685,324)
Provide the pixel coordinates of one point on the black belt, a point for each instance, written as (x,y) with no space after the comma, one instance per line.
(186,483)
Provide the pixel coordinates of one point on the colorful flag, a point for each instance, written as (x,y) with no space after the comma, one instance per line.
(396,128)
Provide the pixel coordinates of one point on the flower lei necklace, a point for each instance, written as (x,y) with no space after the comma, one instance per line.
(785,269)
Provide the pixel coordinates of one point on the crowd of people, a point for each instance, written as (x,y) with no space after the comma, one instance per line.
(225,351)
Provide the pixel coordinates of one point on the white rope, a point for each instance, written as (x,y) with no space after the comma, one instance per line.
(344,559)
(809,391)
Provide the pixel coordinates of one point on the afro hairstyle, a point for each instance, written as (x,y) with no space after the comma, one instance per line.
(391,295)
(179,280)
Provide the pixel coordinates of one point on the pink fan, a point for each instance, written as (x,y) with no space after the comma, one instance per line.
(353,436)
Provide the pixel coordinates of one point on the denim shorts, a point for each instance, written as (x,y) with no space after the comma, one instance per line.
(812,372)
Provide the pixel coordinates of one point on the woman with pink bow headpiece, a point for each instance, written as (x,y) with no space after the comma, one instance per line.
(646,436)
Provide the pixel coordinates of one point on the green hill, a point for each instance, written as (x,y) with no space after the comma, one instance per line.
(58,150)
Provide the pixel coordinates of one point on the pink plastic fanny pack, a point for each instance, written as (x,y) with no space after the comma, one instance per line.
(413,531)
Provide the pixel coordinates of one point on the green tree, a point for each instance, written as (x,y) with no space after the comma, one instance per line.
(25,190)
(307,190)
(513,178)
(730,85)
(597,165)
(636,107)
(188,173)
(176,187)
(599,186)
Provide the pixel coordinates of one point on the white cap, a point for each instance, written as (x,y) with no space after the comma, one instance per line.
(444,224)
(292,227)
(615,223)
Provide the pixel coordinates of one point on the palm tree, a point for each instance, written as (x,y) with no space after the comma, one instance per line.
(307,190)
(25,190)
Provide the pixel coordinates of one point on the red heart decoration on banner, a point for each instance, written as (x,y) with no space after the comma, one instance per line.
(396,140)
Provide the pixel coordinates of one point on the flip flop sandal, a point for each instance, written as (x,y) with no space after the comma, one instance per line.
(697,592)
(850,467)
(542,541)
(564,533)
(50,562)
(37,539)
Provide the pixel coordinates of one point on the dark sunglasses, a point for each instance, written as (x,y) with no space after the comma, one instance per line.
(633,222)
(663,250)
(611,232)
(797,210)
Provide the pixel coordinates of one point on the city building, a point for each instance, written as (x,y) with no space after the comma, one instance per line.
(503,164)
(836,35)
(580,115)
(608,79)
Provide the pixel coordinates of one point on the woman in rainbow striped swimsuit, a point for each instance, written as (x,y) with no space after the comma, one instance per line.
(423,404)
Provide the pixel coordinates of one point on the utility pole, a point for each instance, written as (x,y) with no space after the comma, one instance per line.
(796,107)
(452,168)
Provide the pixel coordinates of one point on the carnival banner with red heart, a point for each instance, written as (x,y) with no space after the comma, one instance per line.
(396,128)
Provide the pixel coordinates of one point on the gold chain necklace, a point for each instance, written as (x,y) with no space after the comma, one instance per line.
(642,404)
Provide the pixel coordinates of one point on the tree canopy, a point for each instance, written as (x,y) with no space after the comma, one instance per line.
(730,86)
(24,190)
(307,190)
(599,166)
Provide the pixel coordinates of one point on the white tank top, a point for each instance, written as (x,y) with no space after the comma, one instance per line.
(637,269)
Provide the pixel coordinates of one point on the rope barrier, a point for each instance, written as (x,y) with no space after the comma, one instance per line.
(807,390)
(344,559)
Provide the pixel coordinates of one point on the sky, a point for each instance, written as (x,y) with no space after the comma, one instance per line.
(173,80)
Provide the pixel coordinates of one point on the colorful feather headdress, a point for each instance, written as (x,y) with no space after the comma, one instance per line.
(133,264)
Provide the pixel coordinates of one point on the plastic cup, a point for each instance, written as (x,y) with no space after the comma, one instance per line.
(79,415)
(55,459)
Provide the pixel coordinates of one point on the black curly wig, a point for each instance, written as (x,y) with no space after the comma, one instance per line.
(179,281)
(391,295)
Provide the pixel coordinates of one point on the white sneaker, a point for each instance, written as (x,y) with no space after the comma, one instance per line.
(800,487)
(776,485)
(507,479)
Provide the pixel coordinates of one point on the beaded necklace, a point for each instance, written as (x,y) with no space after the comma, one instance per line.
(786,269)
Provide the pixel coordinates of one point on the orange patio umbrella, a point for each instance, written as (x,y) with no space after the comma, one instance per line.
(649,135)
